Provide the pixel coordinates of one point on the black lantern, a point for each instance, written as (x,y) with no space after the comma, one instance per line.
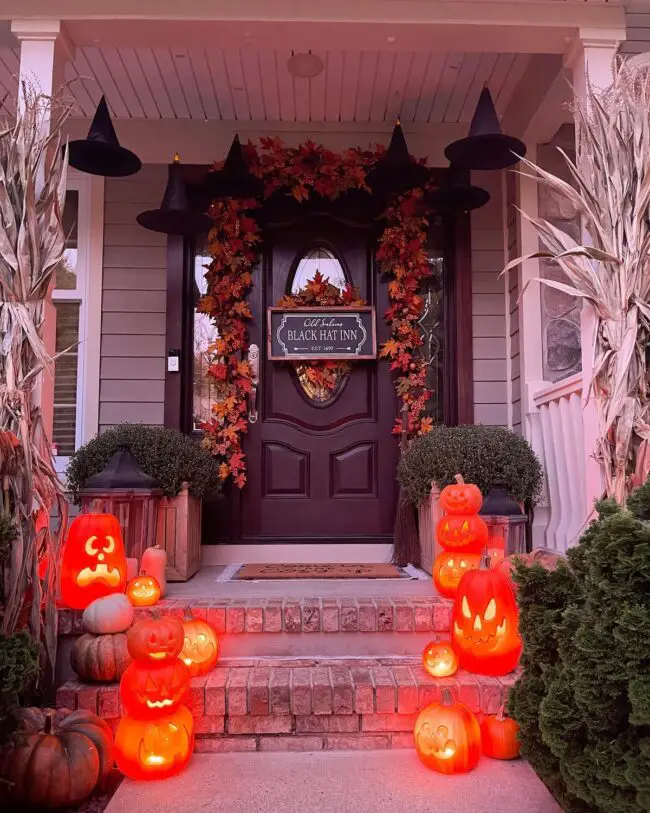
(100,153)
(235,179)
(456,194)
(396,172)
(486,147)
(175,216)
(506,522)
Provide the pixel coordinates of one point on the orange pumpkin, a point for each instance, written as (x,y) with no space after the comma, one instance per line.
(500,737)
(439,659)
(200,646)
(93,563)
(155,640)
(450,567)
(150,691)
(143,591)
(462,532)
(154,749)
(461,498)
(447,736)
(485,624)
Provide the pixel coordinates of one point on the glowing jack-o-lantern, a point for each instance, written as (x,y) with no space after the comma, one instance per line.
(447,736)
(93,564)
(200,647)
(450,567)
(439,659)
(150,691)
(484,621)
(463,532)
(461,498)
(155,640)
(154,749)
(143,591)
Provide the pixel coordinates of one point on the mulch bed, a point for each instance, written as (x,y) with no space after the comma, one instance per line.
(98,802)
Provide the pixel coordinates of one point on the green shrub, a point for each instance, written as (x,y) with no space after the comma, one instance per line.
(166,454)
(7,536)
(583,700)
(484,455)
(19,669)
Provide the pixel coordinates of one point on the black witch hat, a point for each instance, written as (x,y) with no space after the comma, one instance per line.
(234,180)
(396,173)
(100,152)
(456,194)
(486,147)
(175,215)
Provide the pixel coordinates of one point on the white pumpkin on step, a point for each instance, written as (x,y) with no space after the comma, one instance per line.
(154,563)
(108,615)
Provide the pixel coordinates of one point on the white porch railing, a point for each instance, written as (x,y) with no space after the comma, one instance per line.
(560,411)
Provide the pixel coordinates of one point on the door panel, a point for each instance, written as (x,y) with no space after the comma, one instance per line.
(320,471)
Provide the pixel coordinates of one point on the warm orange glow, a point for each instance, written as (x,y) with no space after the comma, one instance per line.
(200,647)
(500,737)
(462,532)
(461,498)
(155,639)
(143,591)
(447,736)
(450,567)
(154,749)
(93,564)
(439,659)
(147,691)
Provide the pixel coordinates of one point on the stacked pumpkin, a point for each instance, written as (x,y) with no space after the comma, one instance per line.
(484,638)
(101,653)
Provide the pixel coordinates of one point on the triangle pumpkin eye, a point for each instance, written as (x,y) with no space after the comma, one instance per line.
(465,608)
(490,610)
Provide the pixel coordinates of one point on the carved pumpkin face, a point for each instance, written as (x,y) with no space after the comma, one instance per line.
(467,533)
(154,749)
(149,691)
(461,498)
(155,640)
(200,646)
(450,567)
(93,564)
(439,659)
(143,591)
(484,622)
(447,736)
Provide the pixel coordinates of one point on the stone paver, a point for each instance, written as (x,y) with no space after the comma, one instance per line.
(334,782)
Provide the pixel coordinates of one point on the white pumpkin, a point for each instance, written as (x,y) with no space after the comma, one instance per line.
(108,615)
(154,563)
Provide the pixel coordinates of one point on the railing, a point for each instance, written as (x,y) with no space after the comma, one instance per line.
(560,411)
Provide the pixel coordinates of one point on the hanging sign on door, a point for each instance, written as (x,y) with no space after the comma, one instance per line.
(303,334)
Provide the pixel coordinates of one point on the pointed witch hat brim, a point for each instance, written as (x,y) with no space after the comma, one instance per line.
(395,172)
(235,180)
(485,147)
(100,153)
(456,194)
(175,215)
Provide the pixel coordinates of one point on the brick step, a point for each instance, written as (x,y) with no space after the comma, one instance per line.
(308,704)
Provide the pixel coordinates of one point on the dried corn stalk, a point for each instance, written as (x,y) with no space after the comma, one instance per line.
(611,191)
(32,242)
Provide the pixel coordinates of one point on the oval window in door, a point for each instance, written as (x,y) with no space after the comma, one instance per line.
(320,381)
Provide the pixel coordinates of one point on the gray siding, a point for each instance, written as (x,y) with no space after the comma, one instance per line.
(513,296)
(132,380)
(637,22)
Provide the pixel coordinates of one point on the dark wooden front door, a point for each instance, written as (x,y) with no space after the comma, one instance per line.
(320,472)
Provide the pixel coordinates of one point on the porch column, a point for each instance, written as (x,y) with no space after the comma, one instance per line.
(44,49)
(591,58)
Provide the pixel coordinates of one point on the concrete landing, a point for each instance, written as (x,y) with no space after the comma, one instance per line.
(359,782)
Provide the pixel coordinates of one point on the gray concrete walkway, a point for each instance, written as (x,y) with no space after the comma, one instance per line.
(341,781)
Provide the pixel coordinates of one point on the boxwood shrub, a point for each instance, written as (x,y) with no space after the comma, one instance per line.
(484,455)
(166,454)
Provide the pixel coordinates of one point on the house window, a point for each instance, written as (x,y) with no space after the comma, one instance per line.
(205,333)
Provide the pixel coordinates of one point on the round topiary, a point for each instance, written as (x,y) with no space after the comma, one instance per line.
(484,455)
(166,454)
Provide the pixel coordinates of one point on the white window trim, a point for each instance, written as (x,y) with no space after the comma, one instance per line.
(88,292)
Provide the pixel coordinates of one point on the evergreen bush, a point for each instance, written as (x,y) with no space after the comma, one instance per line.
(484,455)
(169,456)
(19,670)
(583,700)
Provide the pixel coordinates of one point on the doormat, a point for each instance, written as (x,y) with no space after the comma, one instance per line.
(321,571)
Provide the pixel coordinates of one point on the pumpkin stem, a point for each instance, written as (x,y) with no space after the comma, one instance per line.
(48,725)
(459,479)
(501,714)
(485,559)
(446,697)
(187,614)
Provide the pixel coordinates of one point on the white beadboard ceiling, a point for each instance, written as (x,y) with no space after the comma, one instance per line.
(246,84)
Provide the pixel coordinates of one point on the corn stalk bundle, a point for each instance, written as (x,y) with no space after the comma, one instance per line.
(611,192)
(32,243)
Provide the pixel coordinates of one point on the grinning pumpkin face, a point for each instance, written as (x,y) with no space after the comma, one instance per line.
(93,564)
(450,567)
(467,533)
(439,659)
(484,618)
(447,736)
(200,646)
(155,640)
(154,749)
(148,691)
(461,498)
(143,591)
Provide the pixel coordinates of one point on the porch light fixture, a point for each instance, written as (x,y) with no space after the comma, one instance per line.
(305,65)
(486,147)
(456,194)
(506,523)
(100,153)
(396,172)
(235,179)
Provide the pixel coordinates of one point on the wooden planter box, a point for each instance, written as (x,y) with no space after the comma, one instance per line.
(428,516)
(179,533)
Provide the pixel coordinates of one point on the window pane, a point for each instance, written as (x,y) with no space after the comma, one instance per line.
(205,334)
(318,260)
(66,273)
(65,377)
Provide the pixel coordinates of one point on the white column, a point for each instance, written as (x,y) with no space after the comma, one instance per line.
(44,50)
